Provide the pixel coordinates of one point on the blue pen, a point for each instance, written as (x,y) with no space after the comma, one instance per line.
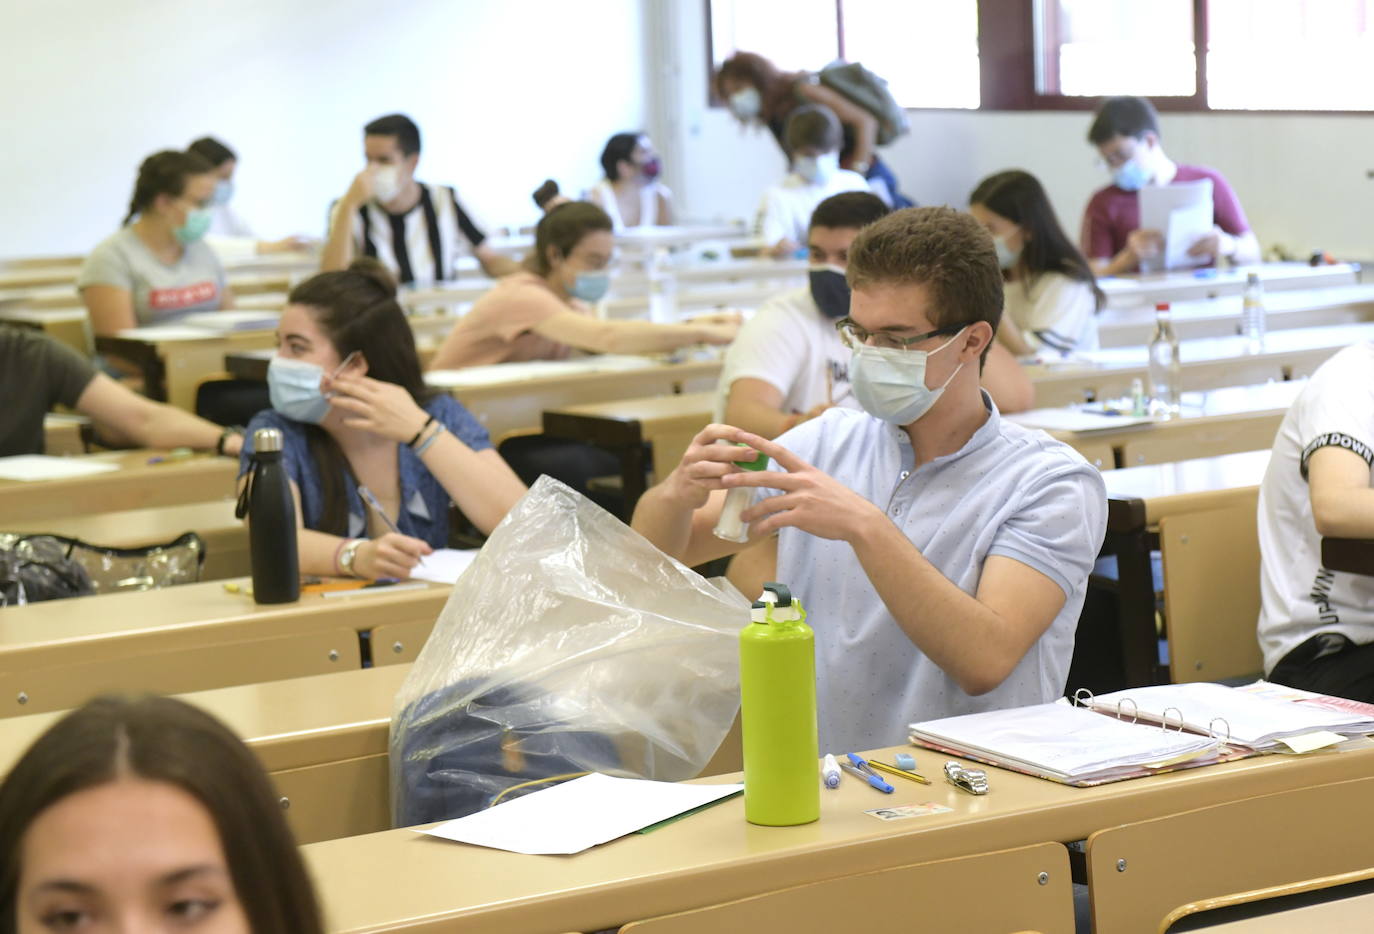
(857,767)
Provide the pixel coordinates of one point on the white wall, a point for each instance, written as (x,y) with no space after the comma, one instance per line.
(1301,179)
(506,93)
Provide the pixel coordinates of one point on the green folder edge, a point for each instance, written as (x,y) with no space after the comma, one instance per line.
(696,810)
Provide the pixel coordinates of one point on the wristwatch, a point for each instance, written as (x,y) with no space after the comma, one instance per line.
(348,554)
(229,430)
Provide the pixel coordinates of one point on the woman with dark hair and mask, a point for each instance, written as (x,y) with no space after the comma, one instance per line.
(157,266)
(147,815)
(758,93)
(230,235)
(631,193)
(544,311)
(1052,297)
(351,404)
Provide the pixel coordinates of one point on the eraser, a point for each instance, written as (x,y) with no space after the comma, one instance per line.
(905,761)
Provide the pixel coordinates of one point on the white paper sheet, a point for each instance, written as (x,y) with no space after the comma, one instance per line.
(41,467)
(1182,212)
(1074,419)
(497,373)
(444,565)
(578,815)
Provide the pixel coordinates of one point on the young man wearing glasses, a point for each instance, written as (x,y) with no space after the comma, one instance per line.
(1126,134)
(942,553)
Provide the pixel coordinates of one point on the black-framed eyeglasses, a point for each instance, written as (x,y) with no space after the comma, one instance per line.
(855,336)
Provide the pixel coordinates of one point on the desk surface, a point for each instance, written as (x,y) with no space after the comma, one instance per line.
(1135,290)
(136,485)
(402,879)
(646,411)
(1182,486)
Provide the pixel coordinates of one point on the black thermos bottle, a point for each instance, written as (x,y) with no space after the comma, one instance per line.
(272,523)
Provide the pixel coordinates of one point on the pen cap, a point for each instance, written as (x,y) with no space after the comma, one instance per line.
(267,441)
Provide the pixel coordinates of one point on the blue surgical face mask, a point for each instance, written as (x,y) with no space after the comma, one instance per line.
(817,169)
(196,225)
(1131,175)
(294,388)
(1006,256)
(591,286)
(224,190)
(891,384)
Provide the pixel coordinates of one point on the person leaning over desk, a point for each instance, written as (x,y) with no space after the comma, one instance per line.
(37,372)
(942,552)
(353,410)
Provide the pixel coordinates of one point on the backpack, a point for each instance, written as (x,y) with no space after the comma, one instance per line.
(863,88)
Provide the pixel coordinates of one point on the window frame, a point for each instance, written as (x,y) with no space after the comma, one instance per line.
(1007,67)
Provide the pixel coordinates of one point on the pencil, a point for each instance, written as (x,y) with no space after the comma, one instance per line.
(893,770)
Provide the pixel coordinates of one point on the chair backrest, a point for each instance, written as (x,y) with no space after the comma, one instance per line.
(1027,888)
(1143,876)
(231,401)
(1211,592)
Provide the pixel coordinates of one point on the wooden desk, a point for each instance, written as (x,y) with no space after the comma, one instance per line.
(1126,291)
(71,326)
(1220,316)
(400,880)
(1207,363)
(174,360)
(66,435)
(667,423)
(322,739)
(1218,421)
(136,485)
(195,637)
(1138,498)
(226,538)
(39,276)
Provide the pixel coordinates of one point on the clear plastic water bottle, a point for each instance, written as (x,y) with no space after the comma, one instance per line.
(1252,314)
(1164,365)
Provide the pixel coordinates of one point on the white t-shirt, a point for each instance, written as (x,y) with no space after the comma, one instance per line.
(1009,491)
(602,194)
(1056,314)
(785,211)
(1298,597)
(790,345)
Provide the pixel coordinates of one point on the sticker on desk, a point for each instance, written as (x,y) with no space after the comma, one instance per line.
(908,810)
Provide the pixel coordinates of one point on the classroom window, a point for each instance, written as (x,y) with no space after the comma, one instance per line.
(1290,55)
(927,50)
(1092,48)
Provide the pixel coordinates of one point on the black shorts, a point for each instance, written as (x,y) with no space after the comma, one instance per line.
(1329,663)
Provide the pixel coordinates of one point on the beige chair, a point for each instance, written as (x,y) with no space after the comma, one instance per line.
(1211,592)
(1144,876)
(1027,888)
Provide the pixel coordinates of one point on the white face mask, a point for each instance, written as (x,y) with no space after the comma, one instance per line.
(386,182)
(817,169)
(746,103)
(891,384)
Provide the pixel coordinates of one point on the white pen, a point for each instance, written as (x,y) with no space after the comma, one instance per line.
(830,772)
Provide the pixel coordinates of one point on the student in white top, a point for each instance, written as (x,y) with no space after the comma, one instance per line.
(813,137)
(157,266)
(1052,297)
(789,363)
(1316,625)
(416,230)
(230,236)
(942,552)
(631,194)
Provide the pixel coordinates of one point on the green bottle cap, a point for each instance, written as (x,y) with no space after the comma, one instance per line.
(758,463)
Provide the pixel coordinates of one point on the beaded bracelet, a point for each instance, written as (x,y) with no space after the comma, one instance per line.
(429,421)
(420,451)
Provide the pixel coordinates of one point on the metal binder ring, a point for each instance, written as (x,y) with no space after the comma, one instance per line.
(1083,698)
(1164,719)
(1135,709)
(1211,729)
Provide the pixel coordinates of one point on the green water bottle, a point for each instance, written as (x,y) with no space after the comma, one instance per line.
(777,680)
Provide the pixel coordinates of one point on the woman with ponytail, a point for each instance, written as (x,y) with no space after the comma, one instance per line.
(354,411)
(157,266)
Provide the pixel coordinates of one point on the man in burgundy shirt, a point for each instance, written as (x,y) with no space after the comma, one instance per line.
(1126,133)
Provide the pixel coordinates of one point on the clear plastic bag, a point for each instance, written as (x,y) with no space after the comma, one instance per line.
(50,567)
(570,645)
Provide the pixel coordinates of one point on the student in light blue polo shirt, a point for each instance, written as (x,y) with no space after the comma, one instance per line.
(942,553)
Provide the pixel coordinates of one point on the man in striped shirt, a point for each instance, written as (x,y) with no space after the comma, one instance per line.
(416,229)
